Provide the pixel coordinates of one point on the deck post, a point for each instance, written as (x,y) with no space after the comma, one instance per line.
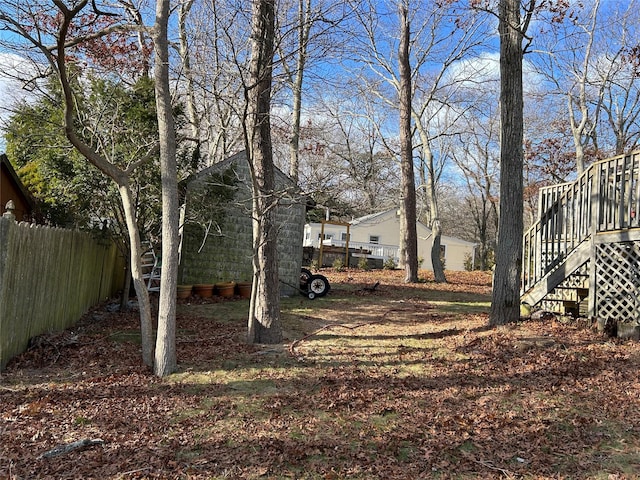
(594,209)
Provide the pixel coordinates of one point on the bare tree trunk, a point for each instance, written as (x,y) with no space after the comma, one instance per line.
(165,354)
(144,304)
(408,233)
(505,305)
(402,241)
(432,200)
(185,55)
(141,35)
(121,178)
(304,25)
(436,229)
(483,235)
(126,289)
(264,312)
(582,129)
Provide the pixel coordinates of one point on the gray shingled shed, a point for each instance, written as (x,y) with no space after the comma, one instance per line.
(217,229)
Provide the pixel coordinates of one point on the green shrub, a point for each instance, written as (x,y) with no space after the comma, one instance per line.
(468,262)
(338,265)
(390,263)
(363,264)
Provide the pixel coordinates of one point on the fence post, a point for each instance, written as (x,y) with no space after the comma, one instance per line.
(7,220)
(595,201)
(10,208)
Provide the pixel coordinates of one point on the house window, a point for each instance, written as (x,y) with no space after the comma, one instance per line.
(344,236)
(307,235)
(375,239)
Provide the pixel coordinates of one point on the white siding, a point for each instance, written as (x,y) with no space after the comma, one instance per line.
(386,226)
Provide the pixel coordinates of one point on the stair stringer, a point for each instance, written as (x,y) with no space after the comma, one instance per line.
(570,265)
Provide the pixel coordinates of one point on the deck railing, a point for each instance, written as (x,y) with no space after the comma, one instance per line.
(377,250)
(605,198)
(548,195)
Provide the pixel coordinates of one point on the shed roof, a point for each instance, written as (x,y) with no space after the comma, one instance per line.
(217,167)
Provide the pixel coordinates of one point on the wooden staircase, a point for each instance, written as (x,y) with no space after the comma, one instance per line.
(552,280)
(582,255)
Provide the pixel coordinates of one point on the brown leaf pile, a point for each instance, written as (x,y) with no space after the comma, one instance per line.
(404,382)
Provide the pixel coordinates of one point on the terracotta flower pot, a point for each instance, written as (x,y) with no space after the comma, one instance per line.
(203,290)
(244,289)
(225,289)
(184,291)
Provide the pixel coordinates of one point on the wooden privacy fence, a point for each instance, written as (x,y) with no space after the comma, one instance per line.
(49,277)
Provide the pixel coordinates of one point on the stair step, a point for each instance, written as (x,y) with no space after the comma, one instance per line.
(580,291)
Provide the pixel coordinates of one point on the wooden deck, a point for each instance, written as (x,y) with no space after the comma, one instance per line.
(583,253)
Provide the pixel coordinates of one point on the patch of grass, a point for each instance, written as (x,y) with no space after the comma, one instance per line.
(253,386)
(385,422)
(406,451)
(618,450)
(467,447)
(133,336)
(81,421)
(189,454)
(297,434)
(623,459)
(193,378)
(126,336)
(463,307)
(223,312)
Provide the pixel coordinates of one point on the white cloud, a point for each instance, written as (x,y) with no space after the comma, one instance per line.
(474,72)
(14,71)
(482,73)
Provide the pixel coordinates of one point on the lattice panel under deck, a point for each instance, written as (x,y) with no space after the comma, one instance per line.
(618,281)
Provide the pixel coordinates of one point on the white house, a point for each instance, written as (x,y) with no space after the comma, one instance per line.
(379,233)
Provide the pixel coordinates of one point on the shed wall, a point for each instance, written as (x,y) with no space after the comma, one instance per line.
(225,254)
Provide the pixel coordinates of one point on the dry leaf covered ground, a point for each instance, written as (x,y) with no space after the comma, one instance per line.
(404,382)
